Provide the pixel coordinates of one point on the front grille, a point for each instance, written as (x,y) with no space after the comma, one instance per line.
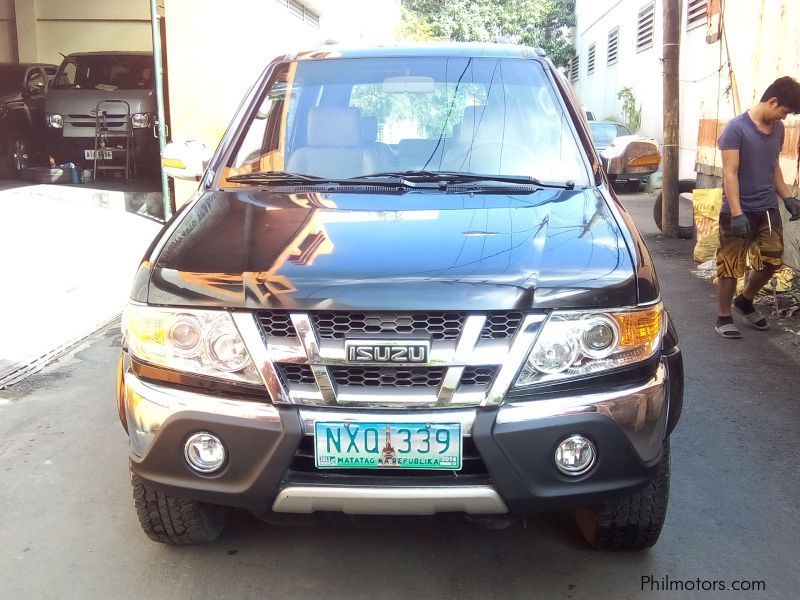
(501,325)
(292,373)
(437,325)
(303,469)
(276,324)
(478,375)
(387,376)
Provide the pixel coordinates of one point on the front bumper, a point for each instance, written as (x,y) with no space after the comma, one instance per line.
(514,442)
(72,149)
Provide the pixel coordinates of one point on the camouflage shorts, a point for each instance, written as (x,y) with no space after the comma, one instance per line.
(764,245)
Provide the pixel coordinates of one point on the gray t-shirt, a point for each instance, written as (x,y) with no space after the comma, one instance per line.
(758,157)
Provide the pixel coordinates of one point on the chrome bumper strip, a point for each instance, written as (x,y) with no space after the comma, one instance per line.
(176,400)
(640,411)
(389,500)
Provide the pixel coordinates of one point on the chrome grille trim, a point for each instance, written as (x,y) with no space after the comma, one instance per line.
(466,344)
(308,338)
(471,349)
(517,354)
(259,350)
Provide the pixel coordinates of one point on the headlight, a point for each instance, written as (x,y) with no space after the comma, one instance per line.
(55,121)
(575,344)
(141,120)
(205,342)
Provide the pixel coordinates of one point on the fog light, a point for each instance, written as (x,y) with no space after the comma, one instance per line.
(575,455)
(204,452)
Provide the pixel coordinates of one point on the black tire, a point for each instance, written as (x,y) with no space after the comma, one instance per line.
(16,155)
(631,522)
(685,232)
(177,521)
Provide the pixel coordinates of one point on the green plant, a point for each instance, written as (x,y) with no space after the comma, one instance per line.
(613,119)
(631,116)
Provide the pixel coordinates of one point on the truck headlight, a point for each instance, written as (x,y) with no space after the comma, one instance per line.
(575,344)
(141,120)
(205,342)
(55,121)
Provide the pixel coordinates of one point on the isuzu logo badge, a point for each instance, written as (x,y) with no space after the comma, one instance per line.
(387,351)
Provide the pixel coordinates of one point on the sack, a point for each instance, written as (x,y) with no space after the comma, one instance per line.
(707,204)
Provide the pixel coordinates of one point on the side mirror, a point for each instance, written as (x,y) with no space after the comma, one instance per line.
(35,88)
(186,160)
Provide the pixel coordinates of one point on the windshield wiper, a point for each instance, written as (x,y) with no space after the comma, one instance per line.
(456,177)
(280,177)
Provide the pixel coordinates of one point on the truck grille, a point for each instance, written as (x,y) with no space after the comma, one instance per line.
(439,326)
(472,358)
(386,376)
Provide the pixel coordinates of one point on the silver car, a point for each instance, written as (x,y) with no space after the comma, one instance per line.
(115,90)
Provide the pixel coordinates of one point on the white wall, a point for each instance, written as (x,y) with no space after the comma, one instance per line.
(642,71)
(8,32)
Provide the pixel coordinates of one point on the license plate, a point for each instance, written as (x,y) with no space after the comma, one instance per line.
(354,445)
(104,154)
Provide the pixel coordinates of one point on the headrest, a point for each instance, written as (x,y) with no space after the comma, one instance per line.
(334,127)
(480,120)
(369,128)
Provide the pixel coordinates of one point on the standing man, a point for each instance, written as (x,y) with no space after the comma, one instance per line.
(750,220)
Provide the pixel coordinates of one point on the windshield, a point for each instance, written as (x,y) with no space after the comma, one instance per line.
(605,132)
(11,78)
(346,118)
(105,72)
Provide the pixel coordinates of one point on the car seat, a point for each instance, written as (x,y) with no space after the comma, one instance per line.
(334,146)
(369,133)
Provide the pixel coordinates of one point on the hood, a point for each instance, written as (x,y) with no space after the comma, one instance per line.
(7,96)
(412,251)
(81,102)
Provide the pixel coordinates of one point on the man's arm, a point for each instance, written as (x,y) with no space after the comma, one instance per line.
(730,180)
(780,184)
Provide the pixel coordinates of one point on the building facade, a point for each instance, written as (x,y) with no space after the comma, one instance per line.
(730,52)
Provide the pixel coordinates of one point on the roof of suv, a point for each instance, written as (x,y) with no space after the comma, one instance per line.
(426,49)
(25,65)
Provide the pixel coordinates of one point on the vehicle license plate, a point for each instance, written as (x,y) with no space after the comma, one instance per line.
(104,154)
(354,445)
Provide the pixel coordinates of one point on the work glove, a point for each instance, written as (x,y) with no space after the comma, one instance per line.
(740,226)
(793,207)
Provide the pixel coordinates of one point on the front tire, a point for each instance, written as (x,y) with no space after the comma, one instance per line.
(631,522)
(16,155)
(177,521)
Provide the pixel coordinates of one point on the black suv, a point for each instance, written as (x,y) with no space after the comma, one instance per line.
(403,287)
(22,94)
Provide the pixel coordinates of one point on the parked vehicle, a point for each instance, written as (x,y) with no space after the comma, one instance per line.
(455,315)
(116,89)
(628,159)
(22,92)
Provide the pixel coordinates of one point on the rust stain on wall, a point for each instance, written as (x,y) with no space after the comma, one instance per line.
(710,130)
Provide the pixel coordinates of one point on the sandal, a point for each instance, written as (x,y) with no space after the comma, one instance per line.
(729,331)
(755,318)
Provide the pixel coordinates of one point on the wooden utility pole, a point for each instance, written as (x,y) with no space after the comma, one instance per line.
(672,53)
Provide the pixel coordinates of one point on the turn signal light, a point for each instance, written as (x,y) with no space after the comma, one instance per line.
(652,160)
(639,327)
